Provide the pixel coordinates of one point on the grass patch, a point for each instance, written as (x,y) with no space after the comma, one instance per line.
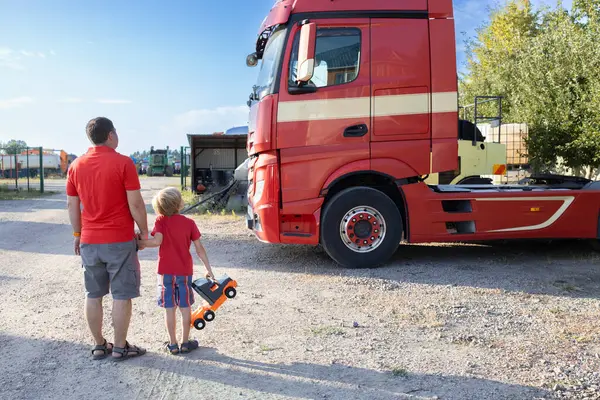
(400,372)
(327,331)
(266,349)
(11,194)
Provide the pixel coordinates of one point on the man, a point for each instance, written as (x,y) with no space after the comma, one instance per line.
(107,185)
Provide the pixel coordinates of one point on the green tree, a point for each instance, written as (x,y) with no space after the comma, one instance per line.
(14,146)
(492,57)
(546,66)
(558,90)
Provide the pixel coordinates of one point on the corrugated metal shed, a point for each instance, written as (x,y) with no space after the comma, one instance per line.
(214,157)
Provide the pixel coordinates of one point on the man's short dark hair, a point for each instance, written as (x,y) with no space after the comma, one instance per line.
(98,130)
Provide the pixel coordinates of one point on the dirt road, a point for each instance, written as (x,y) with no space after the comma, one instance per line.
(448,322)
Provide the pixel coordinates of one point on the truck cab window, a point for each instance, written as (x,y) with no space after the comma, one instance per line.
(337,57)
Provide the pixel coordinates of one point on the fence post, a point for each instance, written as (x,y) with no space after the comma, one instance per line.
(182,167)
(16,172)
(41,170)
(28,173)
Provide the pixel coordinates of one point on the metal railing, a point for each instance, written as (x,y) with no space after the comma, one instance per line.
(21,166)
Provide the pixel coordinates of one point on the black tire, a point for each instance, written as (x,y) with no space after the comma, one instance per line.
(209,315)
(230,293)
(169,171)
(595,243)
(333,214)
(199,324)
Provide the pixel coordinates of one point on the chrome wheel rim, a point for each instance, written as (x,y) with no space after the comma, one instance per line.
(362,229)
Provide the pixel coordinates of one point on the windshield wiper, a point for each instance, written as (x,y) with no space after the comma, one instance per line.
(253,96)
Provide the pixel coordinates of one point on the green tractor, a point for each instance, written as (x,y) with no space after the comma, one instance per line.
(158,164)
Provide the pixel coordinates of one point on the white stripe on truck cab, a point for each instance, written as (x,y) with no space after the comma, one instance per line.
(359,107)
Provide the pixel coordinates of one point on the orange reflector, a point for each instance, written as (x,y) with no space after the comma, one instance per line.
(499,169)
(535,209)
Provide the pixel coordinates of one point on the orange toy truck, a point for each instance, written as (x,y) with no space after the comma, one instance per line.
(215,292)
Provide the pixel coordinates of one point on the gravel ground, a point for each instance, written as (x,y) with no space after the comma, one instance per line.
(518,321)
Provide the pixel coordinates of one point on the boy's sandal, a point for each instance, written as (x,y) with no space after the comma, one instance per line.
(189,346)
(172,348)
(126,352)
(103,348)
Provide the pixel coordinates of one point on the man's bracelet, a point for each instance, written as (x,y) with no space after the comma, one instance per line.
(77,234)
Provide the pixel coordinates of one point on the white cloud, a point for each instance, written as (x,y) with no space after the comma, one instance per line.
(10,59)
(52,53)
(113,101)
(208,120)
(15,102)
(41,55)
(27,53)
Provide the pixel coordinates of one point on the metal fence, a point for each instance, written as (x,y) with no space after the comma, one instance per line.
(29,168)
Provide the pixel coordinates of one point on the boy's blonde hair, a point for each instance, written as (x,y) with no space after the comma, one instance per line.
(168,202)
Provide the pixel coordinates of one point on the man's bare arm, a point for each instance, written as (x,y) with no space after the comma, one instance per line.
(137,207)
(74,206)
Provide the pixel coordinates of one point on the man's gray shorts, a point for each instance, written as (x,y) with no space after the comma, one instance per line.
(113,266)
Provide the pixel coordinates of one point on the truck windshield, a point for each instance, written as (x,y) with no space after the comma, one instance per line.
(270,61)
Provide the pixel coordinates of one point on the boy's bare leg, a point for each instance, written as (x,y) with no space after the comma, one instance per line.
(170,322)
(186,318)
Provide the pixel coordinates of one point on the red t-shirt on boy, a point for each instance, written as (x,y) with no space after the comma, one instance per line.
(174,257)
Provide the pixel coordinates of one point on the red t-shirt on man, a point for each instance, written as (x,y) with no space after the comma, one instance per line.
(101,178)
(174,257)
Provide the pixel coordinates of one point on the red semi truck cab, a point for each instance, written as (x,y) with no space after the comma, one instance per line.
(355,104)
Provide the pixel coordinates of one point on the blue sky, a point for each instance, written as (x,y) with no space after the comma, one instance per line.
(149,66)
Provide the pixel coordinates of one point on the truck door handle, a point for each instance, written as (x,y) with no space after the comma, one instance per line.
(356,130)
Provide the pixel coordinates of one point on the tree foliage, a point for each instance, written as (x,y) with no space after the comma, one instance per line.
(13,146)
(546,64)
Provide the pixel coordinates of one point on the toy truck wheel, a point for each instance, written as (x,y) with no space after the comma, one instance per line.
(361,227)
(209,315)
(230,293)
(595,243)
(199,324)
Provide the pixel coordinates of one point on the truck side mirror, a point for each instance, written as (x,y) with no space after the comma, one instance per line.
(306,52)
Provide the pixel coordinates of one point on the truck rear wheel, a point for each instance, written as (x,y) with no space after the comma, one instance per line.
(361,227)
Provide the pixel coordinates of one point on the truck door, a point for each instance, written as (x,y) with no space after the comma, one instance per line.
(329,127)
(401,77)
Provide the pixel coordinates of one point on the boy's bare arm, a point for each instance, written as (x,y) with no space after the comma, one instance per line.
(155,241)
(201,252)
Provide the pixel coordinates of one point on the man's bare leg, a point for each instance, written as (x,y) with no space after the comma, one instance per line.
(121,315)
(94,315)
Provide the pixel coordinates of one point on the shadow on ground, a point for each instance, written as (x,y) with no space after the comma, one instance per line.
(54,202)
(36,237)
(59,367)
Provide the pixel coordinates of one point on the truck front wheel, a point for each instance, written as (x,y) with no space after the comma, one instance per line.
(361,227)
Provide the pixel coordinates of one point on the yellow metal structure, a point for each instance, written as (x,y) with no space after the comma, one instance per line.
(485,159)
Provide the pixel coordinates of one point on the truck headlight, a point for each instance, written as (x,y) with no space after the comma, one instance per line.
(258,191)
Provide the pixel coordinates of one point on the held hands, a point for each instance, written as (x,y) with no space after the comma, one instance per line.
(140,237)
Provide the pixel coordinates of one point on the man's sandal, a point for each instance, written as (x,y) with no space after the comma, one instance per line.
(103,348)
(189,346)
(172,348)
(125,352)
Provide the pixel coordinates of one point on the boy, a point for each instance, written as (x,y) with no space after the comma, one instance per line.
(173,233)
